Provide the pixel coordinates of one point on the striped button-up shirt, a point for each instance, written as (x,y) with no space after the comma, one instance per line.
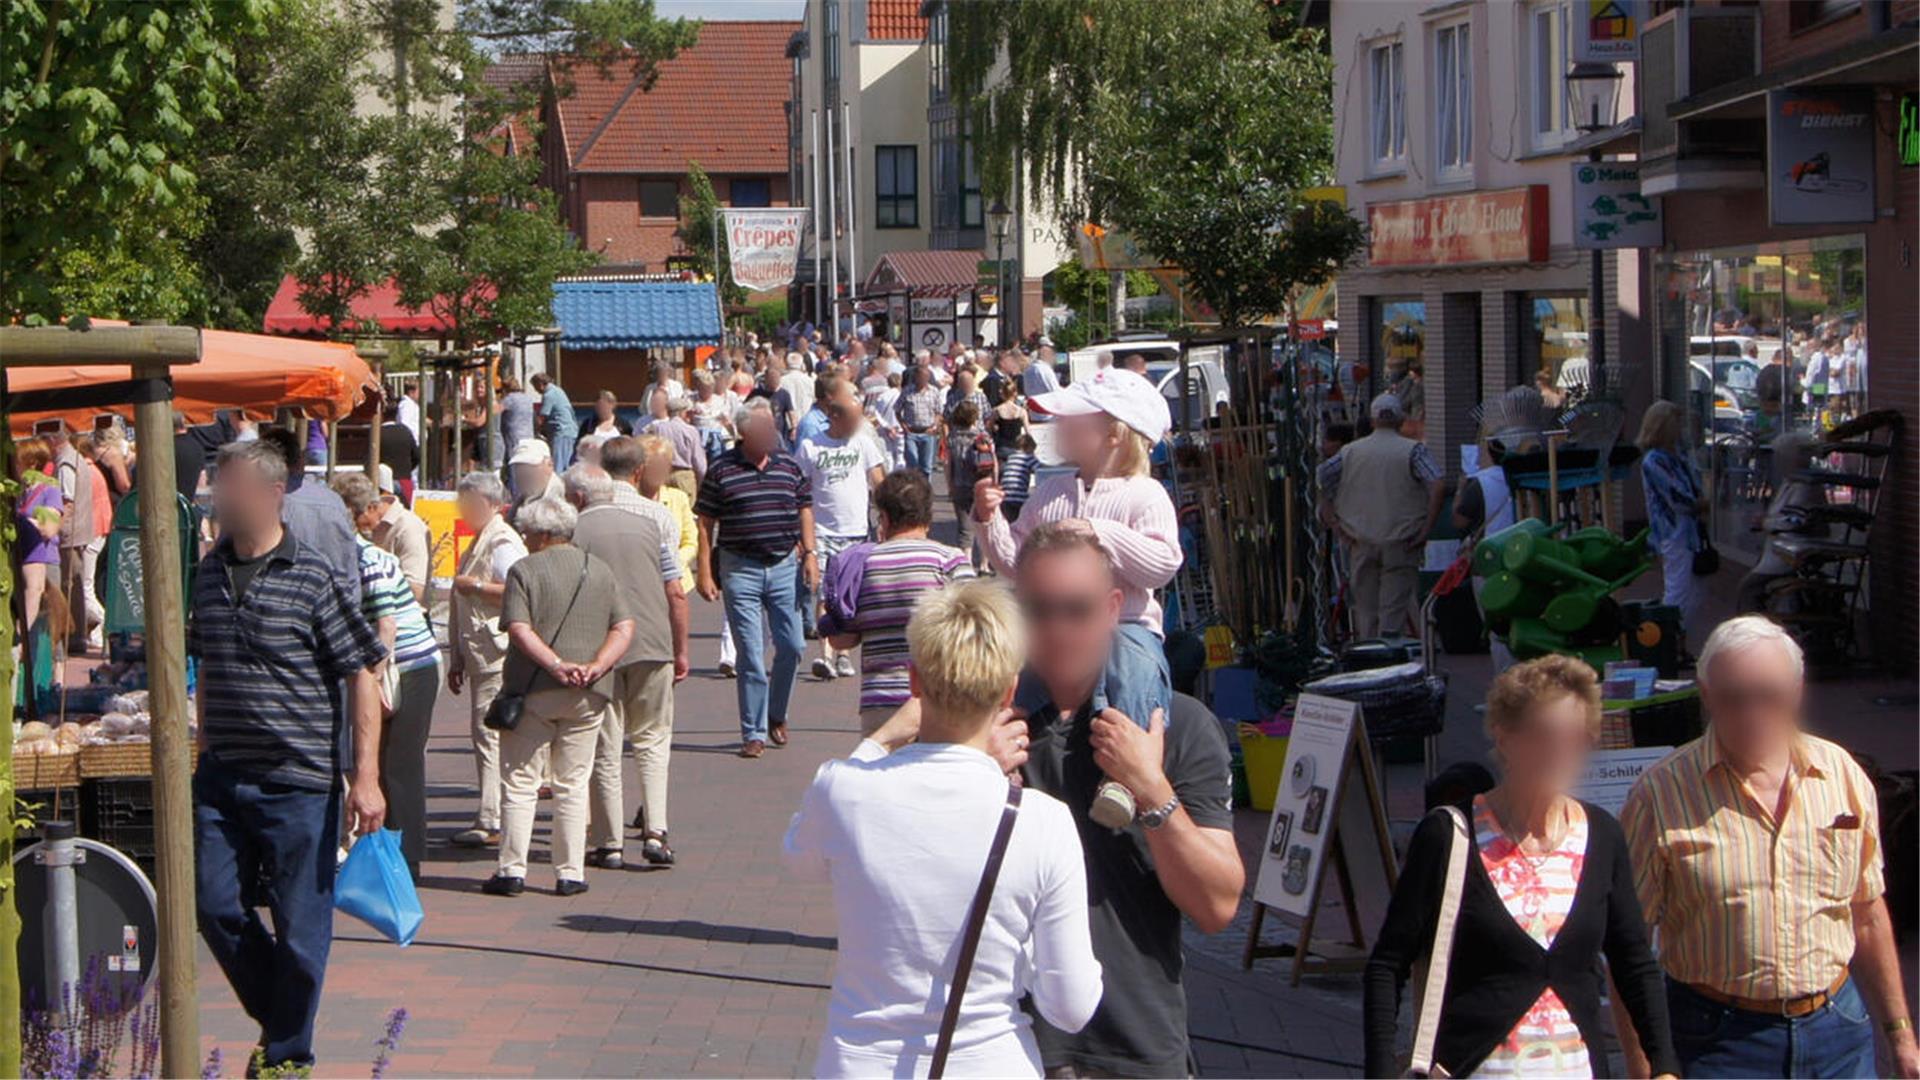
(757,507)
(1746,904)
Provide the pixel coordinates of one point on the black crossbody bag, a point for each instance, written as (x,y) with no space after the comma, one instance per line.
(504,713)
(970,940)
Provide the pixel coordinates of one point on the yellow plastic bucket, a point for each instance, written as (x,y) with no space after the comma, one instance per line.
(1266,758)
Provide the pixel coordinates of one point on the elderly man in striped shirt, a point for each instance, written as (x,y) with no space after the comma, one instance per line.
(760,559)
(1756,852)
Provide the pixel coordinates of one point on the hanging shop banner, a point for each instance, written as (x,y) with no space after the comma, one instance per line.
(1507,226)
(1820,156)
(1605,31)
(764,246)
(1608,209)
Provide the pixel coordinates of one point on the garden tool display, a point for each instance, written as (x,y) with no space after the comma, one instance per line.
(1549,593)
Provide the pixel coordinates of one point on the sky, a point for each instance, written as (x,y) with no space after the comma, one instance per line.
(730,9)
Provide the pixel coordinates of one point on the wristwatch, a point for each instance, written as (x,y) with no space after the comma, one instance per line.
(1158,816)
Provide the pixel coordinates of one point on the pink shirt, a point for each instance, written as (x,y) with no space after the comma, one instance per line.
(1134,519)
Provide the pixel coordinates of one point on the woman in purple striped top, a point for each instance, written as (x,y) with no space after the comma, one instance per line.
(902,568)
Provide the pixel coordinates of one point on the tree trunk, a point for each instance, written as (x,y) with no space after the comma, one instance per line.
(1117,299)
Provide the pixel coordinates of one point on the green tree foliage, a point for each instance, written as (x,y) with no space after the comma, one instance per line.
(699,221)
(99,105)
(1194,126)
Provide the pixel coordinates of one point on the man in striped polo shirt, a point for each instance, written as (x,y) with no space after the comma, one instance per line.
(275,631)
(1756,855)
(758,560)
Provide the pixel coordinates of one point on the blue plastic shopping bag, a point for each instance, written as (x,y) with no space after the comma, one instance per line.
(375,887)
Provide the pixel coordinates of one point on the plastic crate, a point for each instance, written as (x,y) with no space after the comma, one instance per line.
(118,812)
(1670,719)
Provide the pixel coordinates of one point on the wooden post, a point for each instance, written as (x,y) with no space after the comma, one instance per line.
(57,346)
(376,357)
(163,593)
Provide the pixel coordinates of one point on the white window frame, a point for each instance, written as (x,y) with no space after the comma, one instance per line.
(1453,111)
(1550,124)
(1393,112)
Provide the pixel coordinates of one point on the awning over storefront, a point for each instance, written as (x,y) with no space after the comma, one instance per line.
(925,273)
(236,371)
(382,306)
(636,314)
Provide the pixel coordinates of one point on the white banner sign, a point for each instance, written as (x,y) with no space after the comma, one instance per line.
(764,246)
(1611,774)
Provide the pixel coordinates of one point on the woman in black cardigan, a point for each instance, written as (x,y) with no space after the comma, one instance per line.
(1548,894)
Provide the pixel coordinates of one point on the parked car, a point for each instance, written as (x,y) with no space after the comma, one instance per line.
(1206,388)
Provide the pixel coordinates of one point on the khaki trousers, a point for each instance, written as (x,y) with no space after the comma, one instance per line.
(871,719)
(642,713)
(567,723)
(1385,582)
(481,688)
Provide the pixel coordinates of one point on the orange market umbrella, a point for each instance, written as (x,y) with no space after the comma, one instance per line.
(253,372)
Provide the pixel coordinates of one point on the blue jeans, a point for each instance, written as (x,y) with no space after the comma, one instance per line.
(749,589)
(1136,680)
(267,843)
(923,452)
(1716,1040)
(563,451)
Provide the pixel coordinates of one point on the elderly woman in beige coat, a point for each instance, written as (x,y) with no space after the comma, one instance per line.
(479,640)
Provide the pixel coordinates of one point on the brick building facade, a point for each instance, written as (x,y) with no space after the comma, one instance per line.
(616,152)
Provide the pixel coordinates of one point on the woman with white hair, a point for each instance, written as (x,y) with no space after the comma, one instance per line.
(568,624)
(479,642)
(903,835)
(712,408)
(387,600)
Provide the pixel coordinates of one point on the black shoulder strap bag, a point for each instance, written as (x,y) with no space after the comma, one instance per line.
(504,713)
(970,940)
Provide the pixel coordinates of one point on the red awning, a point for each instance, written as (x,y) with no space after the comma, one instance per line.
(382,305)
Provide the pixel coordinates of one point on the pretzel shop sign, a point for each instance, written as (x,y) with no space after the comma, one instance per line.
(1507,226)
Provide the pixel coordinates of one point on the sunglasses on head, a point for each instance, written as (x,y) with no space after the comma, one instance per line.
(1066,609)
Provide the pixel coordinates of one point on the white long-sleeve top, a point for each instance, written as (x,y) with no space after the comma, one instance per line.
(904,838)
(1134,519)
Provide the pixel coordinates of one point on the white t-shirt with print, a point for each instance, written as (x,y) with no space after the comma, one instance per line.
(837,469)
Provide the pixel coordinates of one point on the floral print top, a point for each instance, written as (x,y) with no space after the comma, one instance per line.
(1538,892)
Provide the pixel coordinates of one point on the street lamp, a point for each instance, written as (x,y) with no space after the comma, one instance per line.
(1593,92)
(999,221)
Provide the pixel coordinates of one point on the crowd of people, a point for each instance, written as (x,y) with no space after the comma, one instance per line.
(1016,712)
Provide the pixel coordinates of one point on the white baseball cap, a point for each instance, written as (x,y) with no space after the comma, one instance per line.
(1121,394)
(531,452)
(386,479)
(1387,406)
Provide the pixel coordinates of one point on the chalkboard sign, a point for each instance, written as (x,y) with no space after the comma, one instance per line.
(121,587)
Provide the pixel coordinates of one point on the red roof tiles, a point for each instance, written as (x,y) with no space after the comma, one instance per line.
(721,103)
(895,20)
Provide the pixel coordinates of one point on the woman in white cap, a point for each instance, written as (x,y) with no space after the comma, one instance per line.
(1106,426)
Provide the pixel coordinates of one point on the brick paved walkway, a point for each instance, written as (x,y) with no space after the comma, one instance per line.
(719,966)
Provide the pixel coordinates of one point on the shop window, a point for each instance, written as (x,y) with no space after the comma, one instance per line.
(1553,342)
(896,189)
(659,199)
(1398,355)
(750,191)
(1548,25)
(1387,119)
(1757,341)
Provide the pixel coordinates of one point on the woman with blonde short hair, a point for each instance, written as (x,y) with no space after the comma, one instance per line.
(1548,892)
(904,838)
